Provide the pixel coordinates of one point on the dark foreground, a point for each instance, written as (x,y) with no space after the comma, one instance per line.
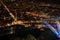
(30,34)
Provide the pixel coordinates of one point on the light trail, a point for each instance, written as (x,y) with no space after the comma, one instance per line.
(54,30)
(11,14)
(36,14)
(51,28)
(58,26)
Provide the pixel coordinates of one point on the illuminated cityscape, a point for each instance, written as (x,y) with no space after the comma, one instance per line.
(18,17)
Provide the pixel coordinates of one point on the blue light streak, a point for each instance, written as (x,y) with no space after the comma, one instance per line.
(57,32)
(51,28)
(58,26)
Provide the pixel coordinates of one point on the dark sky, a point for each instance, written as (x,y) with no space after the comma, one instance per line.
(52,1)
